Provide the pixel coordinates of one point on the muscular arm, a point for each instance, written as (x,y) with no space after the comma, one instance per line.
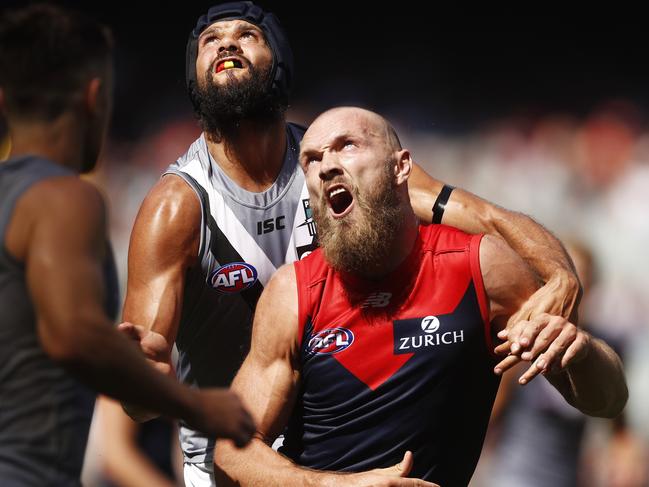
(62,244)
(586,371)
(63,253)
(164,245)
(537,246)
(268,382)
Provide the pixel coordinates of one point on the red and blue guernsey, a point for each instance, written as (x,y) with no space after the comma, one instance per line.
(399,364)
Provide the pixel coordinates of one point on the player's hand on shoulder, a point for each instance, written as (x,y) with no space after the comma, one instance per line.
(394,476)
(550,343)
(220,413)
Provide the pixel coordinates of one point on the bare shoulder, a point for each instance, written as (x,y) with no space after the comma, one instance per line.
(56,211)
(279,296)
(508,280)
(284,280)
(68,206)
(170,213)
(172,197)
(494,249)
(276,316)
(65,196)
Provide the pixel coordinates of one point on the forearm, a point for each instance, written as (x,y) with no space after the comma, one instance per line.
(258,465)
(132,469)
(541,250)
(581,382)
(102,358)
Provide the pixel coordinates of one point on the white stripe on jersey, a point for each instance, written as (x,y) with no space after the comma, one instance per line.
(230,225)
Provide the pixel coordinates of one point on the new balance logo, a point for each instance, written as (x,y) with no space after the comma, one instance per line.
(377,300)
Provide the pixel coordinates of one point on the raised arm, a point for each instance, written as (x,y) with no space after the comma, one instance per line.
(542,251)
(586,371)
(268,384)
(64,252)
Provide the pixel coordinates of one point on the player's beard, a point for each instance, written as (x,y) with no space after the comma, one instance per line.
(222,107)
(360,243)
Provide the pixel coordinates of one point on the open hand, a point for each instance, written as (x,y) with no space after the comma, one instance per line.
(551,343)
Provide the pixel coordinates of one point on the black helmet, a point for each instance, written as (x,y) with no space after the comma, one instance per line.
(282,70)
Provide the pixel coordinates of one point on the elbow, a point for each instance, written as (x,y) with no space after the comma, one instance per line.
(615,403)
(618,402)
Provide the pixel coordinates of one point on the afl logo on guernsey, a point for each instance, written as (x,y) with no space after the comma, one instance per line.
(233,278)
(330,341)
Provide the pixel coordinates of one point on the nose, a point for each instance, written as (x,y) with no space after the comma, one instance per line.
(329,167)
(228,43)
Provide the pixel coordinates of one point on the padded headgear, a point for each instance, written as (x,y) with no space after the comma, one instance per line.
(281,75)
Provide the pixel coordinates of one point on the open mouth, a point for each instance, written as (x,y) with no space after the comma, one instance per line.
(225,64)
(340,200)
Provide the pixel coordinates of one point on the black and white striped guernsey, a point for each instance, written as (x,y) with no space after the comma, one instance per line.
(245,237)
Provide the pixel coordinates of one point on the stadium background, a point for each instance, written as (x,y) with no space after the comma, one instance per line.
(544,113)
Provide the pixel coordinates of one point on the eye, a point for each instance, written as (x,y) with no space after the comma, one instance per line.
(349,145)
(209,38)
(308,160)
(248,34)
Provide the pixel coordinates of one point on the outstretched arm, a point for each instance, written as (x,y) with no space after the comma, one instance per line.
(63,255)
(541,250)
(586,371)
(268,383)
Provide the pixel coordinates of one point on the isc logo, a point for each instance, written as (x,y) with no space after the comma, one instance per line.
(233,278)
(330,341)
(270,225)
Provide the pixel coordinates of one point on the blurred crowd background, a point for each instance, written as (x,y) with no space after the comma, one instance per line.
(542,114)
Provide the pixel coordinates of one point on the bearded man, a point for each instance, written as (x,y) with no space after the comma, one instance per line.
(235,207)
(380,344)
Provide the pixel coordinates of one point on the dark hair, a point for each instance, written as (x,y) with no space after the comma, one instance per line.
(46,56)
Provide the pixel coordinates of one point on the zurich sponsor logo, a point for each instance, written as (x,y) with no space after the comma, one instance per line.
(430,324)
(233,278)
(330,341)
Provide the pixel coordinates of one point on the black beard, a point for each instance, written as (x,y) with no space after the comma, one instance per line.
(361,246)
(222,108)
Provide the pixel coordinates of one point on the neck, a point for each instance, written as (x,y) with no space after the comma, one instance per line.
(253,157)
(401,246)
(59,141)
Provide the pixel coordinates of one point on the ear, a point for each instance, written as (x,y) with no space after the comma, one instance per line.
(92,95)
(403,166)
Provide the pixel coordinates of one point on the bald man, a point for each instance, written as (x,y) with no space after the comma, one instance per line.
(380,343)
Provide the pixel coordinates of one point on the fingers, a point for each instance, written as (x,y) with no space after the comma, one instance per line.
(554,358)
(577,350)
(414,483)
(545,337)
(550,342)
(405,466)
(246,431)
(506,364)
(535,369)
(524,333)
(134,332)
